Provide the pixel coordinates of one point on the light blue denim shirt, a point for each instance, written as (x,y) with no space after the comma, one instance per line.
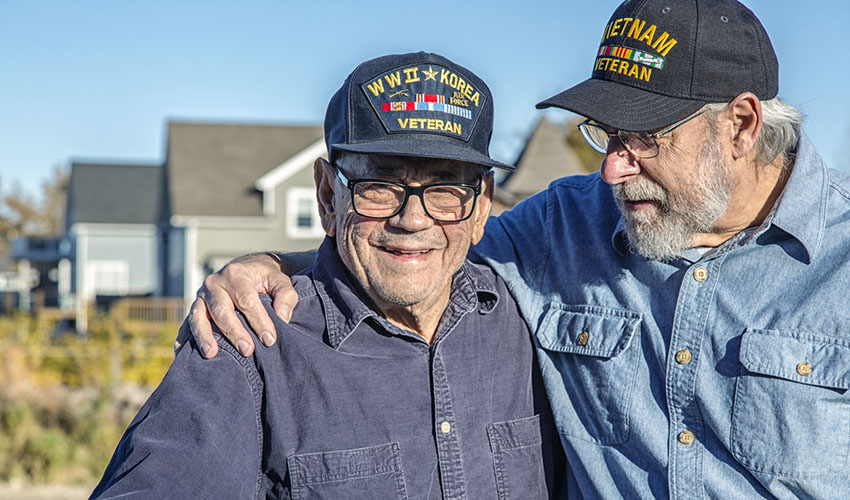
(723,375)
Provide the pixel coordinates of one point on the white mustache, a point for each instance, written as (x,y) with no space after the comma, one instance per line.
(642,189)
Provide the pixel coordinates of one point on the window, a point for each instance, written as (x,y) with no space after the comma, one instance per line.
(108,277)
(302,216)
(304,212)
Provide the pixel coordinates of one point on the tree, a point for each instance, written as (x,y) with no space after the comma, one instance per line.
(589,157)
(53,194)
(22,214)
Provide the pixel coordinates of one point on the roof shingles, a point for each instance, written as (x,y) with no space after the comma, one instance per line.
(212,167)
(114,194)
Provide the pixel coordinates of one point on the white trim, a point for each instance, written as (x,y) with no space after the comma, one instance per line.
(291,166)
(81,256)
(118,269)
(269,201)
(63,284)
(221,222)
(97,229)
(274,177)
(294,195)
(191,269)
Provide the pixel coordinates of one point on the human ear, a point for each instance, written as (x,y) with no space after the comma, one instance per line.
(324,177)
(745,113)
(482,208)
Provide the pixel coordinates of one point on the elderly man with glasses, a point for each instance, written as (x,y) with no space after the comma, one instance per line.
(406,371)
(688,301)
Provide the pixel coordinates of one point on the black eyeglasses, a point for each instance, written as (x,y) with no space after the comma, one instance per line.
(444,202)
(640,144)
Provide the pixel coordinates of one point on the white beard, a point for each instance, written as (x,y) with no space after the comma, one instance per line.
(664,232)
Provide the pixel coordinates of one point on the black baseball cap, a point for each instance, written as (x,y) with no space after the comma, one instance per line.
(661,60)
(419,105)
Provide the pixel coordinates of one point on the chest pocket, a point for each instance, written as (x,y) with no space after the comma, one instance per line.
(525,460)
(791,415)
(359,474)
(589,357)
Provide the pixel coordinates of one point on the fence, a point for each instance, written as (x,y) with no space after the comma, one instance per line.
(132,312)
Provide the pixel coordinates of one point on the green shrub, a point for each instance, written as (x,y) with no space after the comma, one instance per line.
(65,401)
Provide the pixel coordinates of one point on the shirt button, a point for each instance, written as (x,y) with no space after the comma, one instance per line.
(700,274)
(583,338)
(445,427)
(683,357)
(686,437)
(804,368)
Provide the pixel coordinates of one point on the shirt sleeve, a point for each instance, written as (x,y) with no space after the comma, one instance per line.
(516,244)
(197,436)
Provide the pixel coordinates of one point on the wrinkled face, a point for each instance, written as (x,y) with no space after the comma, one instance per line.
(680,193)
(408,259)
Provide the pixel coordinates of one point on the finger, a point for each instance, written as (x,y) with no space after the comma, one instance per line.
(284,297)
(220,306)
(201,328)
(244,289)
(183,335)
(248,301)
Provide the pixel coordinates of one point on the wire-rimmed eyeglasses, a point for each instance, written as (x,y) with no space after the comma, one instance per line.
(378,199)
(640,144)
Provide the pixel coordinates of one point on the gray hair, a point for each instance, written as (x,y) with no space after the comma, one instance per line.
(780,129)
(392,162)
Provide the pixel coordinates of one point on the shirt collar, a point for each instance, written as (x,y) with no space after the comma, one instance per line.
(345,308)
(618,238)
(800,211)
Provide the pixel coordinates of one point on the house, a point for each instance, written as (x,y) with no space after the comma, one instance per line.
(36,280)
(112,233)
(546,156)
(224,190)
(232,189)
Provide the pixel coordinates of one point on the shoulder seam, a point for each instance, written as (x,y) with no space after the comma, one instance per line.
(256,383)
(840,189)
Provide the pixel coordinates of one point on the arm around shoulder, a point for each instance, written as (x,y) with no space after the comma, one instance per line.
(237,287)
(516,243)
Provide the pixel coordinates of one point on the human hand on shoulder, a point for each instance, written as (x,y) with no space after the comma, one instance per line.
(238,285)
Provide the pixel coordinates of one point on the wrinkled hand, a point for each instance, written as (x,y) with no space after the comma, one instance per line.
(238,286)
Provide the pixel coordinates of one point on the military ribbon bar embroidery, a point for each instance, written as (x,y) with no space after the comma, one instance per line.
(632,55)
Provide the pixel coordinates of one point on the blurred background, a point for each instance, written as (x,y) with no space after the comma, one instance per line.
(143,144)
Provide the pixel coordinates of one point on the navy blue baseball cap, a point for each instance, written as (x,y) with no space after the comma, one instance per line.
(419,105)
(660,61)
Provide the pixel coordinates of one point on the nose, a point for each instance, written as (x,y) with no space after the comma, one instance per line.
(619,164)
(412,217)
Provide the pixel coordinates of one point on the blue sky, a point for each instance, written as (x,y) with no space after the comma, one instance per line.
(99,79)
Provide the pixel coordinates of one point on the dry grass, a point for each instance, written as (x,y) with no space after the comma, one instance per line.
(65,401)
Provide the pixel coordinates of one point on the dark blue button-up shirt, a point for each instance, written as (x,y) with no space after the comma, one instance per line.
(348,405)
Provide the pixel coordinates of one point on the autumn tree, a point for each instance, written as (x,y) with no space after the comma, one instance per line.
(23,214)
(589,157)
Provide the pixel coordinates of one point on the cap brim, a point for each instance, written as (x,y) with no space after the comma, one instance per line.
(621,106)
(422,148)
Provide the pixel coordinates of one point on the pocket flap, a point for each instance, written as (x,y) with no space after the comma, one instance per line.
(323,467)
(590,330)
(529,431)
(801,357)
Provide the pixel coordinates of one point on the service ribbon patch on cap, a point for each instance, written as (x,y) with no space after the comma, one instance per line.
(631,62)
(426,98)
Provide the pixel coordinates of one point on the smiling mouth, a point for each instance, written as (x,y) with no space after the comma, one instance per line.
(406,253)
